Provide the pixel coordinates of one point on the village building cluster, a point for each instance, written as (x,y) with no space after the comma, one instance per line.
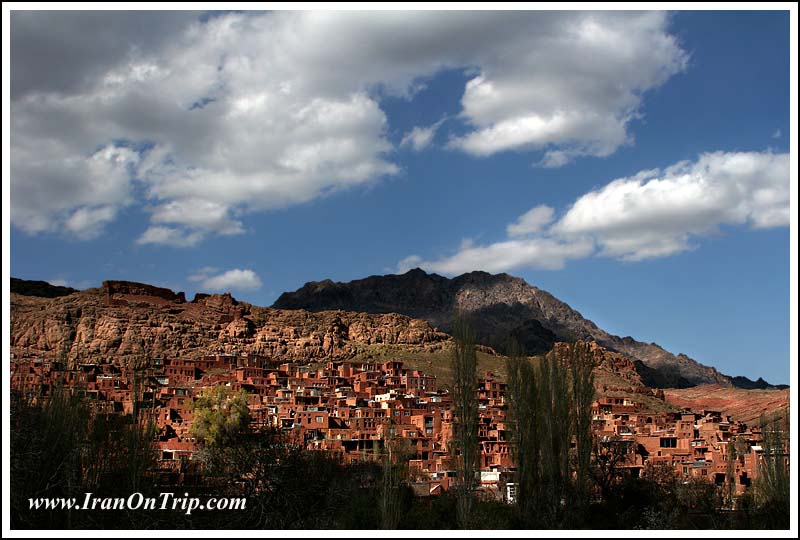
(350,409)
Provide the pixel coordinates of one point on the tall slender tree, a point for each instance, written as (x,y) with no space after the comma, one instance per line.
(393,460)
(465,412)
(549,406)
(581,366)
(773,482)
(524,417)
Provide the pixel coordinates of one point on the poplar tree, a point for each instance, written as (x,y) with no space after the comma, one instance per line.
(772,483)
(549,407)
(581,367)
(392,475)
(523,414)
(465,412)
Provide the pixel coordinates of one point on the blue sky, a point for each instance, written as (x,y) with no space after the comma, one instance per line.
(634,165)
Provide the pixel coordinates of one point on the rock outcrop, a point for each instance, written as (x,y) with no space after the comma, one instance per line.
(123,320)
(39,288)
(744,405)
(497,306)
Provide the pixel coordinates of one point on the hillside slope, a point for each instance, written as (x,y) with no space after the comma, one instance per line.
(497,306)
(123,320)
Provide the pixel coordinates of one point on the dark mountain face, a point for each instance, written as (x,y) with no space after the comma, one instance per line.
(498,307)
(39,288)
(760,384)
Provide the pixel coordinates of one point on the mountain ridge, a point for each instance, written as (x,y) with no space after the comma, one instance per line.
(234,319)
(499,306)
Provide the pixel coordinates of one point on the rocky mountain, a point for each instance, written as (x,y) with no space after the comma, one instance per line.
(123,320)
(39,288)
(498,306)
(746,405)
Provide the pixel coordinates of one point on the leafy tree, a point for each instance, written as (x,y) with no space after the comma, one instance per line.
(60,447)
(220,416)
(581,364)
(549,407)
(556,429)
(609,453)
(394,465)
(465,412)
(772,483)
(730,473)
(523,413)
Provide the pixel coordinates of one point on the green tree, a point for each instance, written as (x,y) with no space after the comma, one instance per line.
(772,483)
(549,407)
(556,429)
(730,473)
(220,416)
(60,446)
(523,414)
(465,412)
(394,471)
(581,363)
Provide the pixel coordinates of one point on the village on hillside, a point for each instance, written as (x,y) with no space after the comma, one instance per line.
(351,409)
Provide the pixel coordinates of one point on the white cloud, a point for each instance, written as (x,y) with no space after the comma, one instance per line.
(541,253)
(412,261)
(531,221)
(87,223)
(776,134)
(651,214)
(55,193)
(655,213)
(570,86)
(170,236)
(236,279)
(198,214)
(203,273)
(419,137)
(249,112)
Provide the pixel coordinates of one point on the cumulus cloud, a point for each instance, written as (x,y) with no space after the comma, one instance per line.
(651,214)
(571,86)
(170,236)
(541,253)
(199,214)
(207,121)
(87,223)
(52,192)
(232,280)
(655,213)
(531,221)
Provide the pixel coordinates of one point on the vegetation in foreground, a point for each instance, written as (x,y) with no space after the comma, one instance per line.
(60,448)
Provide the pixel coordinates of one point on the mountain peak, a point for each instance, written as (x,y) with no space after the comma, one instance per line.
(498,306)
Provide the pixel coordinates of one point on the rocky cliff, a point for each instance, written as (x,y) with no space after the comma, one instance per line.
(497,306)
(39,288)
(123,320)
(743,405)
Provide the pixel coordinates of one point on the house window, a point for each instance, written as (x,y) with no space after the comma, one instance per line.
(669,442)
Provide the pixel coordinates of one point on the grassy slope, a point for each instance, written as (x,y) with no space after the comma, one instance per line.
(437,363)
